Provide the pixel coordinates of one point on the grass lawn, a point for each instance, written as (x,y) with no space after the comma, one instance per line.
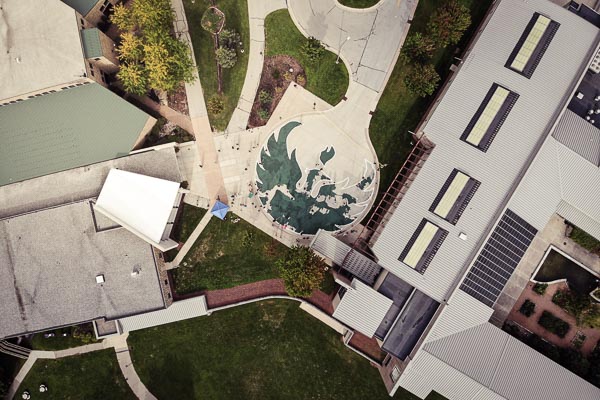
(9,367)
(227,254)
(60,342)
(585,240)
(324,78)
(236,17)
(89,376)
(188,220)
(359,3)
(399,111)
(266,350)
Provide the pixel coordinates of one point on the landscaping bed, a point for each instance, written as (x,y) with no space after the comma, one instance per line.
(166,132)
(236,17)
(358,3)
(324,77)
(556,266)
(227,254)
(266,350)
(585,240)
(278,72)
(75,336)
(553,324)
(177,100)
(89,376)
(527,308)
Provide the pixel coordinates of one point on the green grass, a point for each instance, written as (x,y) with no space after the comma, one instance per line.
(399,111)
(266,350)
(227,254)
(89,376)
(324,78)
(236,17)
(59,342)
(9,367)
(188,220)
(359,3)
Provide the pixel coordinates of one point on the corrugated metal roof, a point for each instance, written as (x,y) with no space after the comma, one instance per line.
(81,6)
(67,129)
(362,308)
(178,311)
(579,135)
(508,367)
(515,144)
(90,38)
(334,249)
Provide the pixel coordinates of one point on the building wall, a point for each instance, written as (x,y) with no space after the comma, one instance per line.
(95,16)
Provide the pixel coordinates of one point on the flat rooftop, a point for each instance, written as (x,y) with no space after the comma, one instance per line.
(49,262)
(39,46)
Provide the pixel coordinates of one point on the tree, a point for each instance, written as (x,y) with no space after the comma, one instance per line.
(229,38)
(302,271)
(134,79)
(312,48)
(226,57)
(418,47)
(422,80)
(448,23)
(215,105)
(150,56)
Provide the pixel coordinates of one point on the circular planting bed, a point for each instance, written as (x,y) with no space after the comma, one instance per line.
(213,20)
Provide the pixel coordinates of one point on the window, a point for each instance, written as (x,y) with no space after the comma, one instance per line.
(395,373)
(422,246)
(454,197)
(490,116)
(532,45)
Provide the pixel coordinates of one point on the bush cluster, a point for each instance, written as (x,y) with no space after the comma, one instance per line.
(540,288)
(553,324)
(527,308)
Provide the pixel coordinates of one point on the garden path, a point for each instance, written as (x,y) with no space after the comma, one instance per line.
(189,243)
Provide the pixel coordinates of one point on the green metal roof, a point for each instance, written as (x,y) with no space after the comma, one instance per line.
(92,47)
(81,6)
(67,129)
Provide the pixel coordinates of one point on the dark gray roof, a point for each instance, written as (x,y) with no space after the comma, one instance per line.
(81,6)
(67,129)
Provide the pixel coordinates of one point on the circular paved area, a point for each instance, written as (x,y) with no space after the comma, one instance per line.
(310,175)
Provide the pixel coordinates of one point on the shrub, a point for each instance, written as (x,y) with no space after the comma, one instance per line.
(418,47)
(226,57)
(215,105)
(265,97)
(572,302)
(313,49)
(288,76)
(229,38)
(422,80)
(279,90)
(448,23)
(275,73)
(540,288)
(302,271)
(585,240)
(527,308)
(301,79)
(554,324)
(264,114)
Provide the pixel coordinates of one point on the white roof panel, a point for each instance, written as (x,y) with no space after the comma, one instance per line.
(178,311)
(142,202)
(362,308)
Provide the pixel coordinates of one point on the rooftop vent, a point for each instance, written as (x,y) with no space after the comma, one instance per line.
(136,271)
(100,278)
(462,236)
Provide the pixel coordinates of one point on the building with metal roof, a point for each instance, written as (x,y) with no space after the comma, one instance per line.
(503,149)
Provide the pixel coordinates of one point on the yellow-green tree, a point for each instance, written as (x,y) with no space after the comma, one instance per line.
(302,271)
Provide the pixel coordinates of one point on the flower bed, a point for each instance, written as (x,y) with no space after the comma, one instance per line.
(554,324)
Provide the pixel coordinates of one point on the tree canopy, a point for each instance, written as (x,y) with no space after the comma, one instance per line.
(151,58)
(302,271)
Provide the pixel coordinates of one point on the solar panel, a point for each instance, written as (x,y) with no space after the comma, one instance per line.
(489,117)
(498,259)
(532,45)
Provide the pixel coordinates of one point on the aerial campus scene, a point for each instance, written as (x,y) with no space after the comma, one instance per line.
(300,199)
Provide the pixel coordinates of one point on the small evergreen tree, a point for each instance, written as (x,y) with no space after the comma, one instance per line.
(302,271)
(313,49)
(215,105)
(448,23)
(422,80)
(226,57)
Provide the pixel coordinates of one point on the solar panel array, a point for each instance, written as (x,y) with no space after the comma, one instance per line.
(499,258)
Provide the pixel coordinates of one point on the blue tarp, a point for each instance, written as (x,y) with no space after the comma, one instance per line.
(219,210)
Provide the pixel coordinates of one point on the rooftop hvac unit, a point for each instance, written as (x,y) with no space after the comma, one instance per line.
(595,65)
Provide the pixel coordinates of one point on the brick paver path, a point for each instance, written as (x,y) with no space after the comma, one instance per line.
(224,297)
(545,303)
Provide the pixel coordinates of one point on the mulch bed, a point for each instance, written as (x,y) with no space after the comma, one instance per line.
(275,78)
(177,100)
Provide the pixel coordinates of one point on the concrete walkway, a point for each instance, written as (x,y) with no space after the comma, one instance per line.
(191,240)
(199,116)
(257,11)
(119,343)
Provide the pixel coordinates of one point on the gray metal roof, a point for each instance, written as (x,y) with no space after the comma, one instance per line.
(67,129)
(508,367)
(49,260)
(81,6)
(90,39)
(579,135)
(178,311)
(541,99)
(362,308)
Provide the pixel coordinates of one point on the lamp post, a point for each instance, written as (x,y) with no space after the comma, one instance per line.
(337,61)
